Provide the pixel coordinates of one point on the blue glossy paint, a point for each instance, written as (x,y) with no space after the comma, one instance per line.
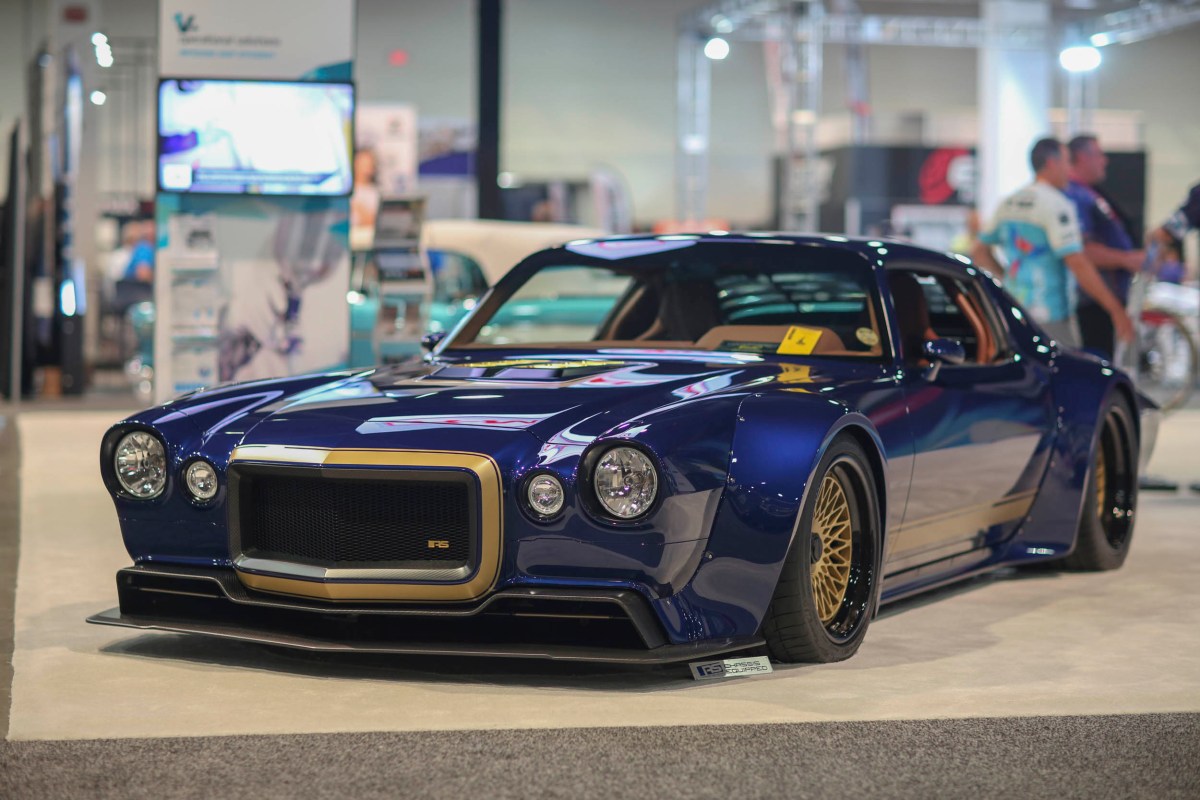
(1049,529)
(736,437)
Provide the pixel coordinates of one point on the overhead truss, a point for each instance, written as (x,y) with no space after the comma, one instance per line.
(799,30)
(1142,22)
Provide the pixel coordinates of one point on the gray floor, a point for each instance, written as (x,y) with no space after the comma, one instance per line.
(10,493)
(1023,684)
(1045,757)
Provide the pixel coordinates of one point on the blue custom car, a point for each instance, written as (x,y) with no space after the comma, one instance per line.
(759,440)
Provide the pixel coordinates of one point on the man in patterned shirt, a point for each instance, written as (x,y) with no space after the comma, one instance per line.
(1185,218)
(1038,231)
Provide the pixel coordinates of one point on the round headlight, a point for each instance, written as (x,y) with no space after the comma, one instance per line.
(141,465)
(545,495)
(626,482)
(201,480)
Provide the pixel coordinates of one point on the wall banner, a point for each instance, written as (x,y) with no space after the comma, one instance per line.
(252,269)
(265,39)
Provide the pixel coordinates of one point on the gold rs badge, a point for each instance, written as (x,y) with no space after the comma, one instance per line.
(438,544)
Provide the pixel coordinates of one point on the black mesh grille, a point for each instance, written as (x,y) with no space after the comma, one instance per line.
(350,522)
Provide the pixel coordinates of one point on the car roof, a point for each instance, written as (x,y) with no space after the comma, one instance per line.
(879,251)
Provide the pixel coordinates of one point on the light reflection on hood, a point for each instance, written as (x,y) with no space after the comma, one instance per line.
(416,422)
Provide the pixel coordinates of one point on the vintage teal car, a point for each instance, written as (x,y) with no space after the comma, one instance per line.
(461,260)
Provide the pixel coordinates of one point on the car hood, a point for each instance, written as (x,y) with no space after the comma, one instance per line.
(480,405)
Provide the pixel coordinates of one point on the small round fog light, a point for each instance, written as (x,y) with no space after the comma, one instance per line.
(545,495)
(201,480)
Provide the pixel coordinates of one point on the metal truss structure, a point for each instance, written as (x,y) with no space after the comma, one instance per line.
(1142,22)
(794,34)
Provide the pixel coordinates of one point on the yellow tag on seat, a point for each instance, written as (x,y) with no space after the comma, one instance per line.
(799,341)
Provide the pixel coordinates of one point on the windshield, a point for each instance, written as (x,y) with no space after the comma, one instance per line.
(739,296)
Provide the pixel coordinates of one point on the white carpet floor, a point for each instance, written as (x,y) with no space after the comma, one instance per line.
(1020,644)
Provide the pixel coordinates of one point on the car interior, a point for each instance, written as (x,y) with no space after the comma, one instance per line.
(733,310)
(933,306)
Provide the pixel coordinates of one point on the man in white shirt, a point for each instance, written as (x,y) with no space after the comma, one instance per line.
(1038,231)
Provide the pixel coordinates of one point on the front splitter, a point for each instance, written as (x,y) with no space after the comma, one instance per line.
(664,654)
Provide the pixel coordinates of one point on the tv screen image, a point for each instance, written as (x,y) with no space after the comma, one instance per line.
(255,137)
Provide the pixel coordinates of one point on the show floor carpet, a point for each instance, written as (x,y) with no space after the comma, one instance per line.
(999,686)
(1046,757)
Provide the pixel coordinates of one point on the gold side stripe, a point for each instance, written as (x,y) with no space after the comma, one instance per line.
(1012,499)
(490,518)
(963,523)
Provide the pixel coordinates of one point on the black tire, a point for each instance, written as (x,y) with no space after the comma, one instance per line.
(799,627)
(1110,496)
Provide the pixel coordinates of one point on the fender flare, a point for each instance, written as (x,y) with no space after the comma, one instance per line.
(1052,524)
(759,513)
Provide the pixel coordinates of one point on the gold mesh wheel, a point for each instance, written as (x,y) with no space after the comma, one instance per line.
(831,559)
(1101,481)
(827,587)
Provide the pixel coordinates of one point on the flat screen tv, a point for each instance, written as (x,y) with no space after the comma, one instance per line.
(255,137)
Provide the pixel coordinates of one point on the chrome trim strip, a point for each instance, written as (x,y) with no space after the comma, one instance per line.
(313,573)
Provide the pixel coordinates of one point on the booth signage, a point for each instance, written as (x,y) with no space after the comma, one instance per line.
(254,171)
(299,39)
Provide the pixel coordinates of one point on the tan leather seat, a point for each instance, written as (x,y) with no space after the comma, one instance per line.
(912,315)
(985,345)
(686,310)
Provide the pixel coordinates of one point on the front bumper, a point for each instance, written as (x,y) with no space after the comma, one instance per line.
(614,626)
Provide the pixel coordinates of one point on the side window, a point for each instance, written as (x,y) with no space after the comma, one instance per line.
(992,338)
(931,305)
(947,317)
(968,319)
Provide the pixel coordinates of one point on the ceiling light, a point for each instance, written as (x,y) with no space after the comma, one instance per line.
(716,48)
(1081,58)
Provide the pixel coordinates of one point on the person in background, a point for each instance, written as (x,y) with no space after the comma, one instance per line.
(1170,234)
(1036,228)
(141,254)
(1186,218)
(965,241)
(1170,266)
(1106,242)
(364,202)
(117,261)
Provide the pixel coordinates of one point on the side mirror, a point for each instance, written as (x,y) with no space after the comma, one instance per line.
(431,340)
(944,351)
